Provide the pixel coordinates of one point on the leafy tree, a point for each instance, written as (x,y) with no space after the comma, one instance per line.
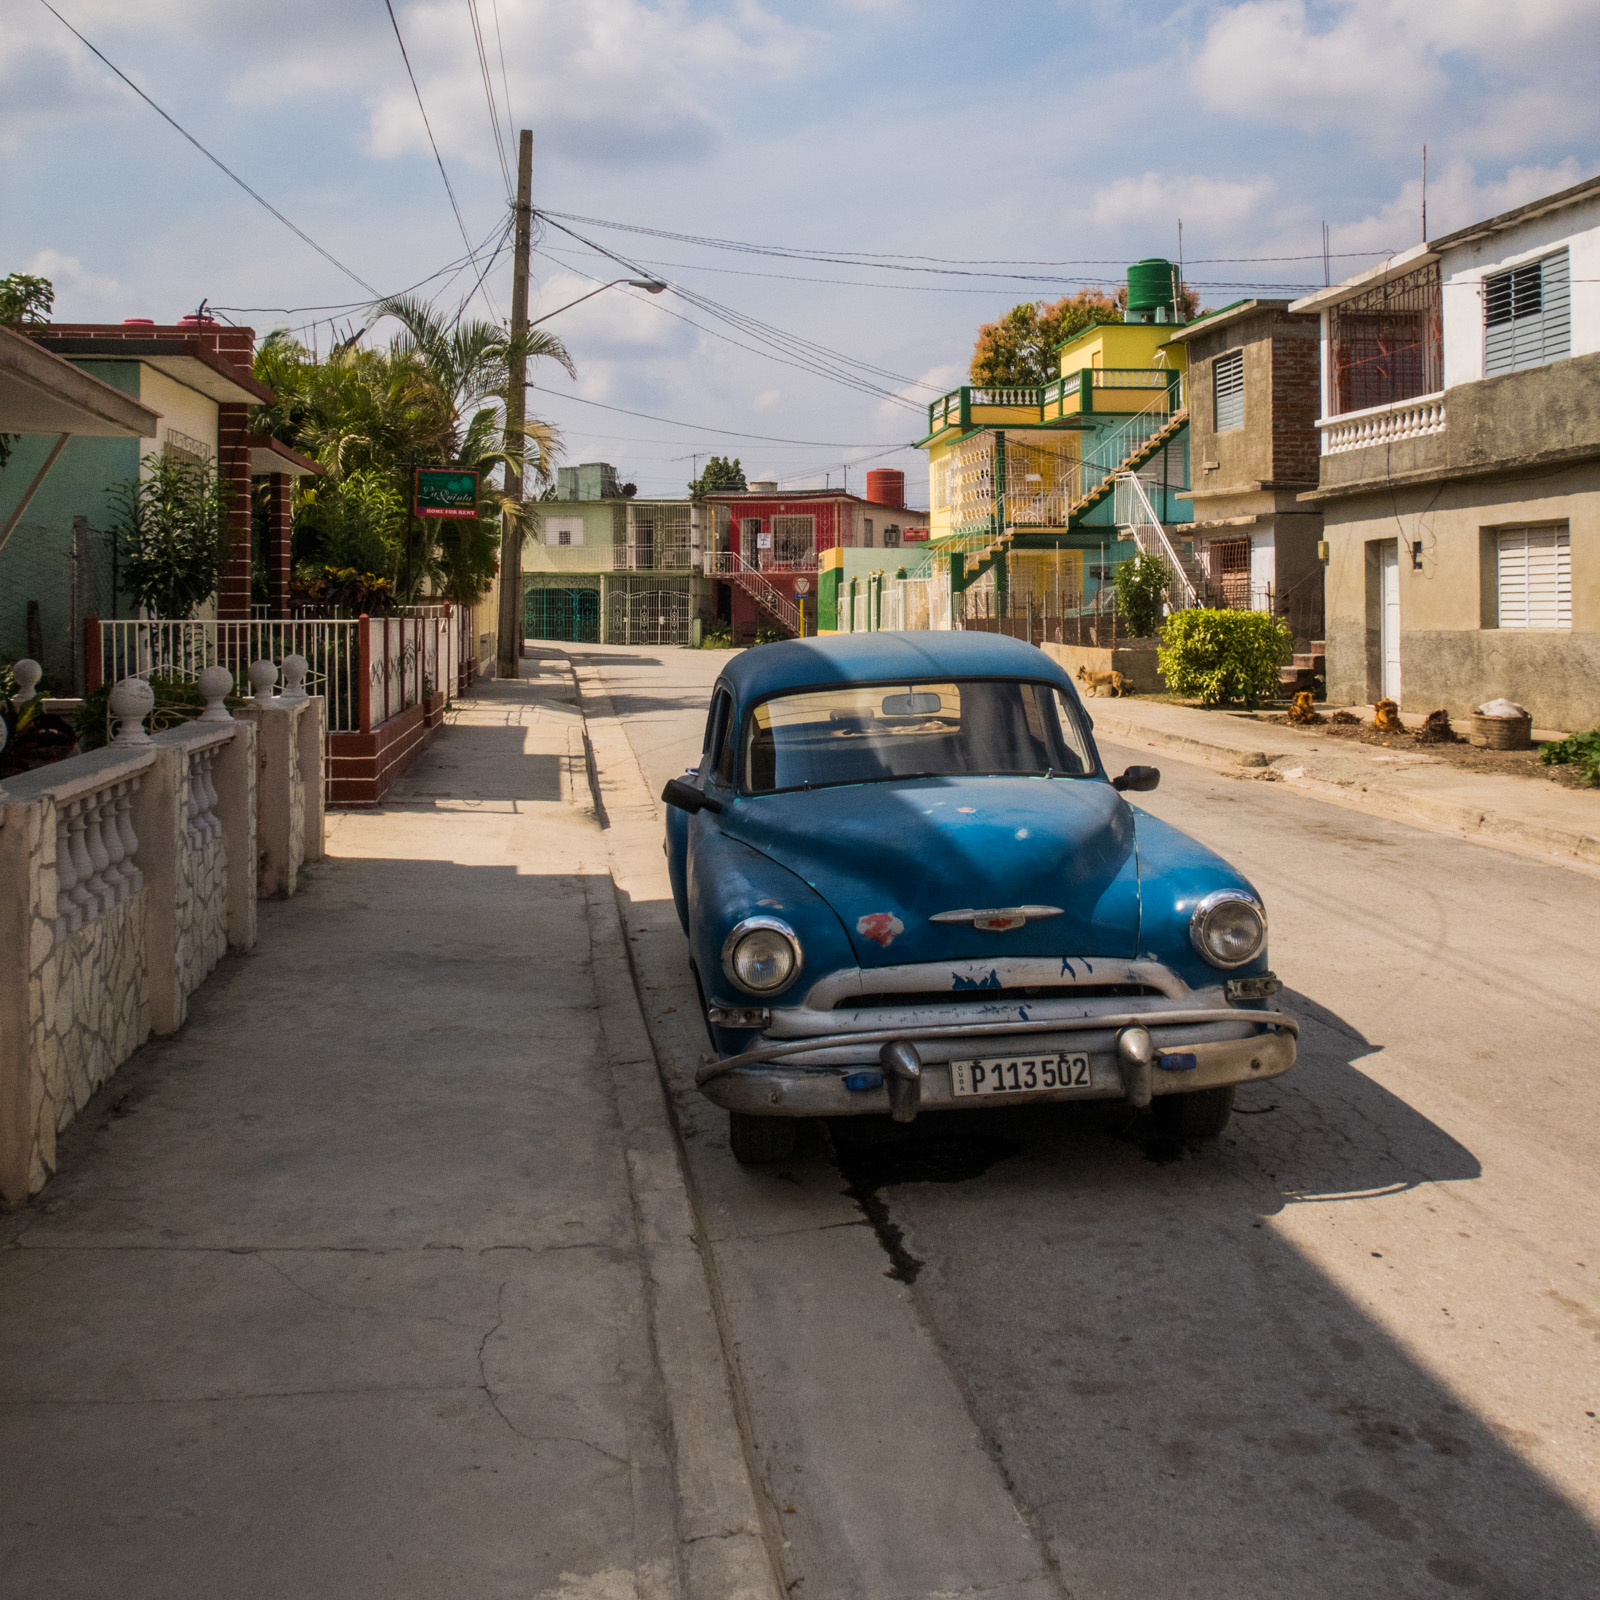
(1141,585)
(25,301)
(1020,349)
(1224,655)
(172,527)
(720,476)
(435,397)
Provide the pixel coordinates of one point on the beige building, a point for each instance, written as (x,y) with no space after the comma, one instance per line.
(1254,388)
(1460,468)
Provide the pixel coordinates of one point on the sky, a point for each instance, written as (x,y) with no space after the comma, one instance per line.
(909,169)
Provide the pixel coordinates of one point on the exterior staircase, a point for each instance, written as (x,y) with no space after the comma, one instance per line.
(1308,666)
(731,564)
(1131,462)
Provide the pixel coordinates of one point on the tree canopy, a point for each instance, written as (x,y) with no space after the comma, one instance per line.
(1021,347)
(719,477)
(435,397)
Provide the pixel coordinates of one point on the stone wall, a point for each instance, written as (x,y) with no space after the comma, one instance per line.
(125,876)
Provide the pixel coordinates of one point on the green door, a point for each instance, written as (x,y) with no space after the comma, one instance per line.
(571,615)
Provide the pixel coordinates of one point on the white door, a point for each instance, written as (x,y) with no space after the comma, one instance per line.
(1389,625)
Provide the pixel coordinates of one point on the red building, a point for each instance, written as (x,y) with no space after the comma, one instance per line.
(763,552)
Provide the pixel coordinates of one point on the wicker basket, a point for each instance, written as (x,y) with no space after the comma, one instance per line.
(1501,733)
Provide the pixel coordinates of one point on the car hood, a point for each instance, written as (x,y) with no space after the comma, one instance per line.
(889,856)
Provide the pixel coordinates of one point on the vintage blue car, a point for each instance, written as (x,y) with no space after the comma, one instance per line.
(909,885)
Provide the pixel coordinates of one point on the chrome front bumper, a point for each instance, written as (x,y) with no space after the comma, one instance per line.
(1137,1047)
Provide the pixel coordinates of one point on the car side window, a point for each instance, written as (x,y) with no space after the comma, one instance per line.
(708,745)
(722,742)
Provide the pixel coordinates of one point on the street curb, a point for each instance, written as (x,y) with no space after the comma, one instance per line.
(722,1539)
(1498,829)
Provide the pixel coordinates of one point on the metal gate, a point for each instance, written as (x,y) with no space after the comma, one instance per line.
(570,615)
(648,616)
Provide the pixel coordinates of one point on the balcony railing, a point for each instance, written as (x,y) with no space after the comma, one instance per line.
(1403,419)
(656,555)
(1061,396)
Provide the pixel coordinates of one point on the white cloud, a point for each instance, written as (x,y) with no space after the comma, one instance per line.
(1384,67)
(1157,199)
(72,283)
(766,400)
(606,81)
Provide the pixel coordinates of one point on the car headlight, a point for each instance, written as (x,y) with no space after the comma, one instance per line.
(761,954)
(1228,928)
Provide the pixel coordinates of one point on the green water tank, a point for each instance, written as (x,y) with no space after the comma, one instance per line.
(1150,286)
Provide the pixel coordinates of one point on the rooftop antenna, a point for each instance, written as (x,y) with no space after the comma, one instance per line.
(1424,194)
(1177,288)
(1327,275)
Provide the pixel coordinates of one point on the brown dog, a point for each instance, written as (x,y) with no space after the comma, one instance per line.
(1103,682)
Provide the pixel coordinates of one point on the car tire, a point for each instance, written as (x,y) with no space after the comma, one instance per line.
(759,1141)
(1199,1114)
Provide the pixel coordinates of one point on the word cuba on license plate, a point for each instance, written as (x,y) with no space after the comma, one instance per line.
(1017,1074)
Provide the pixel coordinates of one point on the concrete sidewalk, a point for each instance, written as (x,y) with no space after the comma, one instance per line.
(379,1279)
(1407,784)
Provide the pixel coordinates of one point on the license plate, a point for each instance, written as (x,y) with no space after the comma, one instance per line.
(1019,1074)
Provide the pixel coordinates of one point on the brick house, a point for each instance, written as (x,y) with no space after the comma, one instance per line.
(1254,392)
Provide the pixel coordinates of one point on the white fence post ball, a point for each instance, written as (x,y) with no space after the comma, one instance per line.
(263,675)
(216,684)
(294,680)
(27,672)
(130,703)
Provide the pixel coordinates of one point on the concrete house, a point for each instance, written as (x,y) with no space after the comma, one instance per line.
(601,566)
(1254,398)
(1460,467)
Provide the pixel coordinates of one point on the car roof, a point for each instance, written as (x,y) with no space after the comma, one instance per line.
(879,657)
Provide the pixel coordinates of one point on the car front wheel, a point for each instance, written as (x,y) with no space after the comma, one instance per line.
(759,1141)
(1200,1114)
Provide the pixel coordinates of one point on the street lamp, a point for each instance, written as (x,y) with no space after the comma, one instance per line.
(649,285)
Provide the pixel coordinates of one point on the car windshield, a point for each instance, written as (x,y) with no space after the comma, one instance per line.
(862,734)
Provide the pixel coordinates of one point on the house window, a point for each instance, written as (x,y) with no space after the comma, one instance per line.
(867,540)
(563,530)
(891,537)
(794,539)
(1387,342)
(1227,382)
(1534,574)
(1527,316)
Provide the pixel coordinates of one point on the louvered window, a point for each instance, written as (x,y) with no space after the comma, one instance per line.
(1535,577)
(1227,377)
(1527,316)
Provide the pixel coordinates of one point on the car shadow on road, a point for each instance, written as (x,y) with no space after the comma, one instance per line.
(1188,1378)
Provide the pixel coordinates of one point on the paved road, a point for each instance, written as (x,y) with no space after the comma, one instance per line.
(1350,1350)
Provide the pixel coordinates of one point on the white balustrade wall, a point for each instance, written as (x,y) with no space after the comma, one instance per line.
(125,876)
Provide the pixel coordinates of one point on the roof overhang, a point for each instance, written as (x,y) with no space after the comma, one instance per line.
(1237,312)
(41,393)
(185,361)
(1373,278)
(269,455)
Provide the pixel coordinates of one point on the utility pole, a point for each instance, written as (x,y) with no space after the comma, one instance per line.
(508,652)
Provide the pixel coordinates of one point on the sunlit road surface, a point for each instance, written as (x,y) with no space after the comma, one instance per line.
(1352,1349)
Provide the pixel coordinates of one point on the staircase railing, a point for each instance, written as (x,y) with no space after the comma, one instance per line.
(731,564)
(1121,449)
(1135,513)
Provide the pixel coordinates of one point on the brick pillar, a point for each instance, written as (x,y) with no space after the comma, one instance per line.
(233,426)
(280,520)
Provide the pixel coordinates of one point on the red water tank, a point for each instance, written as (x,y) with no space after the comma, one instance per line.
(138,322)
(887,486)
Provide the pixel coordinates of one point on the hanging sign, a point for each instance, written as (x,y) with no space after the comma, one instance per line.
(445,492)
(914,536)
(763,541)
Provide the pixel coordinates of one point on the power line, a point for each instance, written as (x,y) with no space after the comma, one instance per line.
(214,160)
(699,427)
(500,46)
(405,56)
(888,260)
(488,90)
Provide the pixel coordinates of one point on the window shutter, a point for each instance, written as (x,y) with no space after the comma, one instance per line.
(1227,376)
(1527,315)
(1535,577)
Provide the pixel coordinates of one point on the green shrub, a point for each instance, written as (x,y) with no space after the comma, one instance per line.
(719,636)
(1224,655)
(1581,750)
(1141,585)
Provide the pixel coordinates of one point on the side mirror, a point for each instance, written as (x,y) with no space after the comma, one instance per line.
(1140,778)
(687,798)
